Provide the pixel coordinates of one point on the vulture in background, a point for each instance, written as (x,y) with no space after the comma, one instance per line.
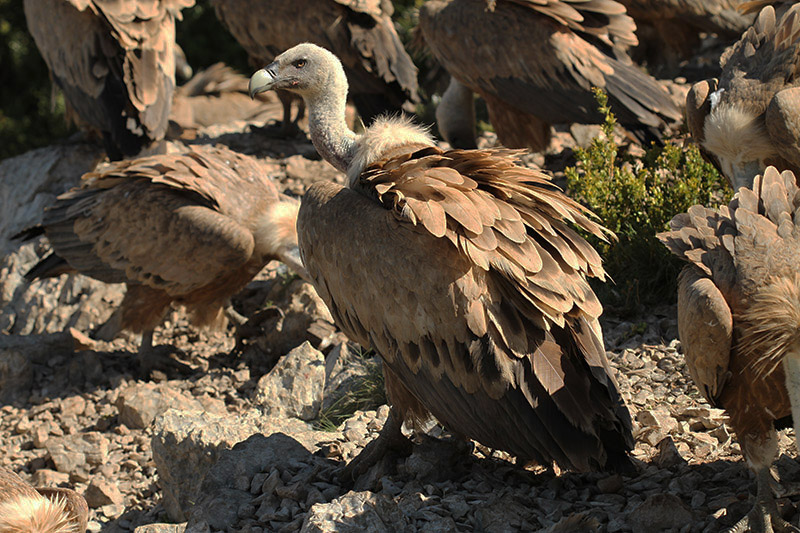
(463,271)
(361,32)
(670,30)
(115,63)
(191,229)
(43,510)
(216,95)
(535,62)
(739,317)
(750,117)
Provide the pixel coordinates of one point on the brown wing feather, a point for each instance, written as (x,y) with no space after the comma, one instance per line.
(481,345)
(380,73)
(113,60)
(535,64)
(154,220)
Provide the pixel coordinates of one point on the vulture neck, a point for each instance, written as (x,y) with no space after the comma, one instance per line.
(334,141)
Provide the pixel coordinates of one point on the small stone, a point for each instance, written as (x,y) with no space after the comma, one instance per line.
(49,478)
(659,513)
(610,484)
(101,493)
(72,406)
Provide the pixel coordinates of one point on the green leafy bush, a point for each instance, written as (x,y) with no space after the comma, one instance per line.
(636,197)
(366,392)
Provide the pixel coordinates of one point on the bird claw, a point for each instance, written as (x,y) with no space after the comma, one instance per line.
(761,520)
(391,439)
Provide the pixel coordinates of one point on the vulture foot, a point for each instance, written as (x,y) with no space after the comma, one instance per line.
(235,317)
(391,439)
(159,358)
(764,517)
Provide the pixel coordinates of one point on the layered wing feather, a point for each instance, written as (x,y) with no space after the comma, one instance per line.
(175,222)
(524,55)
(461,269)
(381,75)
(114,61)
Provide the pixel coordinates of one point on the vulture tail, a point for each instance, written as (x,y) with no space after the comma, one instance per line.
(49,267)
(28,233)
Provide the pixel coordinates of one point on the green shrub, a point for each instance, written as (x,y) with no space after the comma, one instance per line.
(367,392)
(636,197)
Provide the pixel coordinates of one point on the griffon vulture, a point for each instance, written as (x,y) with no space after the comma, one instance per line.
(44,510)
(381,74)
(217,95)
(671,29)
(192,229)
(535,62)
(738,315)
(748,119)
(461,269)
(114,62)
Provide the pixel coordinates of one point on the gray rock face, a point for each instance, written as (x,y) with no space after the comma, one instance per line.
(226,487)
(357,512)
(140,403)
(295,385)
(31,181)
(186,444)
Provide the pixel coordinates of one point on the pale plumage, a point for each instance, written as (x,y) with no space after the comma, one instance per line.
(114,62)
(192,229)
(535,62)
(748,119)
(461,269)
(24,509)
(739,314)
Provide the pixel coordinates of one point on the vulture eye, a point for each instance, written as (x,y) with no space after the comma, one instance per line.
(299,63)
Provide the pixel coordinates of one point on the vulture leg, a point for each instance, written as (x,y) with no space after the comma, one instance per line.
(291,258)
(391,438)
(235,316)
(158,357)
(764,516)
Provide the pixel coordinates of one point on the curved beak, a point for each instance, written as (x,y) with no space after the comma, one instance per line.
(263,80)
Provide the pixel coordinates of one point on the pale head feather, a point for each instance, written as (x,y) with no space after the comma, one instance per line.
(276,229)
(383,136)
(737,135)
(27,514)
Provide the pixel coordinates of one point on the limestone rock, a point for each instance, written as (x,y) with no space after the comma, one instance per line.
(101,492)
(226,487)
(357,512)
(79,451)
(294,386)
(140,403)
(161,528)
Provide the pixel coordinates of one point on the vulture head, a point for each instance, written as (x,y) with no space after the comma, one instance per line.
(306,69)
(740,142)
(318,77)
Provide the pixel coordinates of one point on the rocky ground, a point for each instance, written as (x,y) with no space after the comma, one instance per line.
(247,437)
